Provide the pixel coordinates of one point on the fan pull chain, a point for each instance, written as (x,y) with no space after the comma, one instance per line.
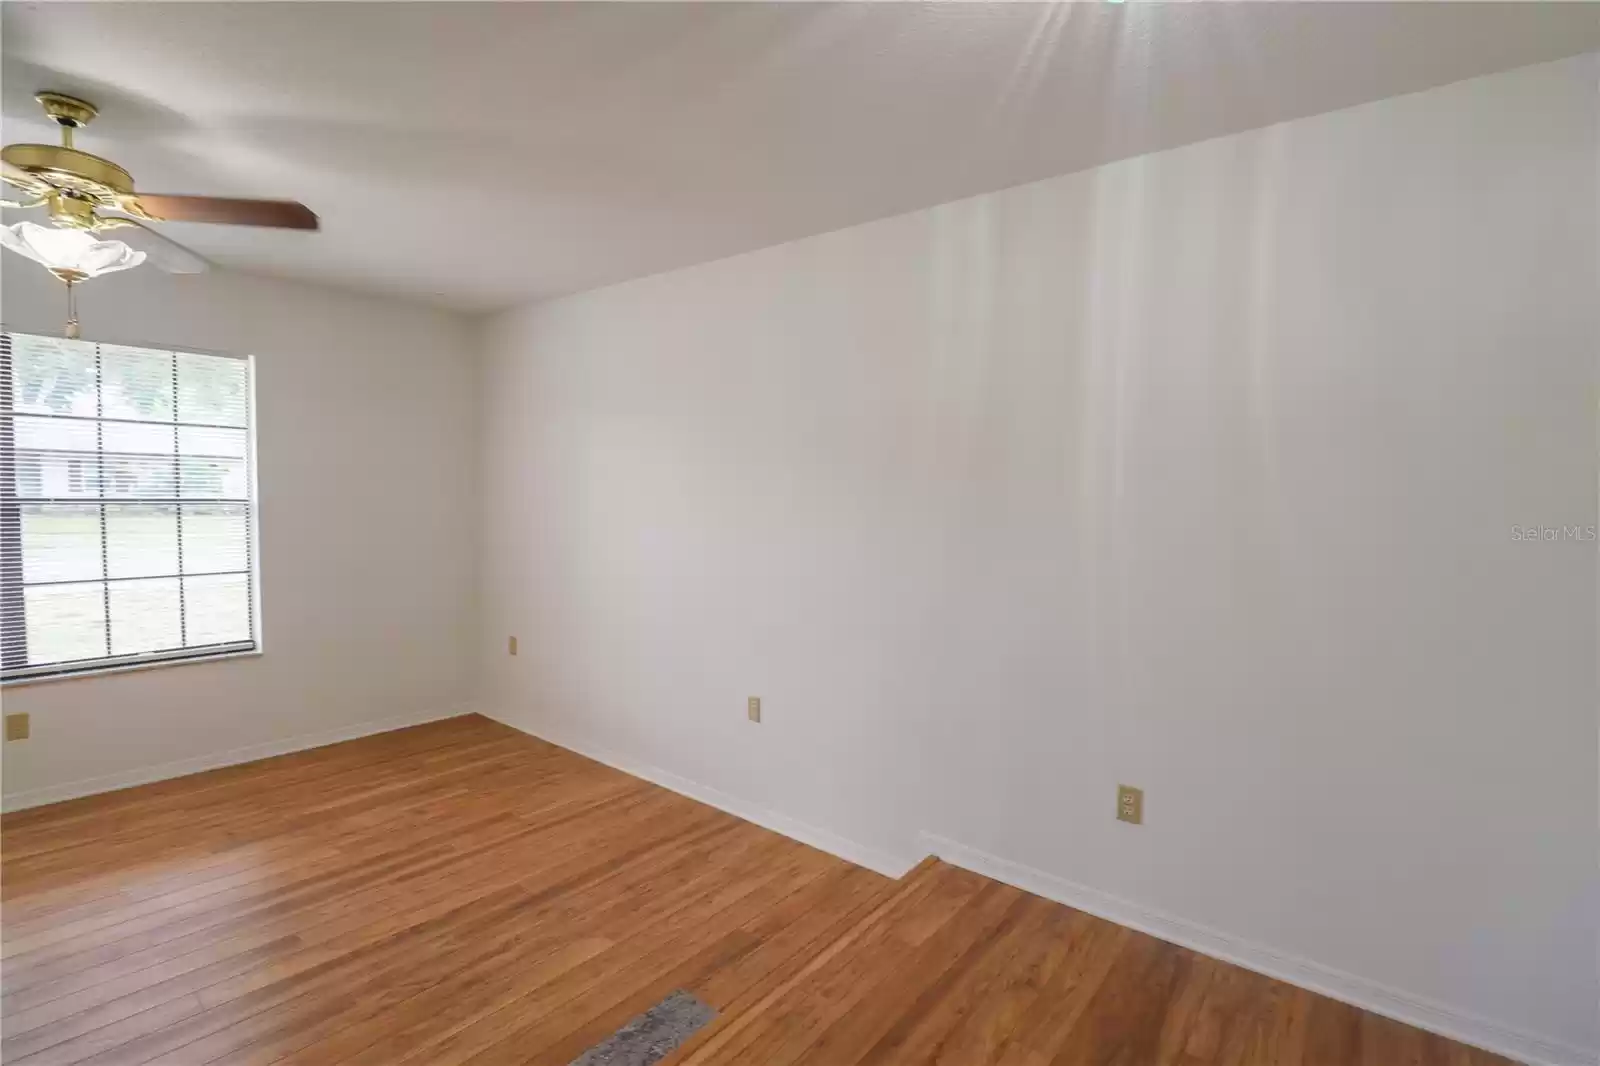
(72,312)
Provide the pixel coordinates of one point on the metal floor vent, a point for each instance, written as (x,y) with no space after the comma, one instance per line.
(651,1036)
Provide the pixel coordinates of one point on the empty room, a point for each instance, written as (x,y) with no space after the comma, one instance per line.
(800,534)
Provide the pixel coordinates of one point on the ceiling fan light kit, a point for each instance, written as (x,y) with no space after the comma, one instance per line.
(77,188)
(72,255)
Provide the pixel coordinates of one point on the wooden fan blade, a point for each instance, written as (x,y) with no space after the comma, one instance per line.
(280,214)
(162,251)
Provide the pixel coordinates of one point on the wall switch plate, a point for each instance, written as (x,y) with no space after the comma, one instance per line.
(511,645)
(17,726)
(1130,804)
(754,709)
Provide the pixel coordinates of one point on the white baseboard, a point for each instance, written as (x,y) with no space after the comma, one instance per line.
(90,786)
(873,859)
(1348,988)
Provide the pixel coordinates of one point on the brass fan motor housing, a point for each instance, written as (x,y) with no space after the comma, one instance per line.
(52,168)
(74,183)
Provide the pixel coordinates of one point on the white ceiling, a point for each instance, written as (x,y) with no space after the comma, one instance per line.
(476,155)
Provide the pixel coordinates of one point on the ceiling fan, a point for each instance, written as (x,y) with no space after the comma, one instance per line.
(86,195)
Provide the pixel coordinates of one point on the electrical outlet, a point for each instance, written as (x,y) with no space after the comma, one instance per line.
(511,645)
(17,726)
(1130,804)
(753,709)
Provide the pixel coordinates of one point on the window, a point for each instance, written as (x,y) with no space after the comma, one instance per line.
(126,506)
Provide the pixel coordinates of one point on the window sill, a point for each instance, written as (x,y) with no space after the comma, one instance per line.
(128,668)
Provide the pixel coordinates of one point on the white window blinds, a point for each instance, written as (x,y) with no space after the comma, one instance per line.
(126,501)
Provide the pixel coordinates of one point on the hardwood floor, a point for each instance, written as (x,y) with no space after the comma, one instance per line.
(462,893)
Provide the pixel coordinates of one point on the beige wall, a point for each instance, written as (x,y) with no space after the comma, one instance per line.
(365,447)
(1197,472)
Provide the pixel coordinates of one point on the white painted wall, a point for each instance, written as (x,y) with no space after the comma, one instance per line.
(1197,471)
(365,447)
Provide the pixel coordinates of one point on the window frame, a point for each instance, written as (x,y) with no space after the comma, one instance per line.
(12,603)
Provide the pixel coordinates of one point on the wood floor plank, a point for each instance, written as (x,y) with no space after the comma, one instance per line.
(791,935)
(353,843)
(460,894)
(422,898)
(192,789)
(1065,997)
(752,1015)
(146,826)
(754,945)
(617,905)
(929,1023)
(542,923)
(1012,985)
(787,1028)
(371,900)
(495,1036)
(1217,1009)
(903,1011)
(383,952)
(294,898)
(1123,1023)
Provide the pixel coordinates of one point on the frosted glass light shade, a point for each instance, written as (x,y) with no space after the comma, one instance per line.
(69,249)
